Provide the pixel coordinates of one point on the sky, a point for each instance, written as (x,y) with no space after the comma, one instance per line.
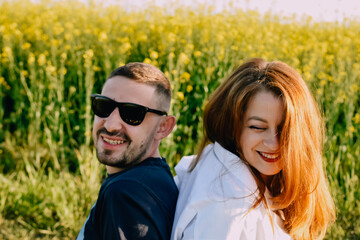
(320,10)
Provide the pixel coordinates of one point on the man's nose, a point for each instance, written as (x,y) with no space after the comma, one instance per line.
(113,122)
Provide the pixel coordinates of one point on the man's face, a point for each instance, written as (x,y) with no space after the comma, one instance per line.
(118,144)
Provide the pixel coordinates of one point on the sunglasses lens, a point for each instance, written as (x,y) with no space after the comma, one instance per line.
(132,114)
(102,107)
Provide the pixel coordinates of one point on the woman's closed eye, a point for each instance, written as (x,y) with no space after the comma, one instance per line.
(257,128)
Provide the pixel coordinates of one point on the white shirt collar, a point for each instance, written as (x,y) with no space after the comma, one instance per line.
(235,166)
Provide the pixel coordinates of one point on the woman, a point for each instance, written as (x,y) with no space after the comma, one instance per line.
(259,172)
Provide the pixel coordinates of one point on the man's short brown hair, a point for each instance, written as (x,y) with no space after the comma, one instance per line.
(147,74)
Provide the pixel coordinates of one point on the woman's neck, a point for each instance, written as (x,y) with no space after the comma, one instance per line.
(267,180)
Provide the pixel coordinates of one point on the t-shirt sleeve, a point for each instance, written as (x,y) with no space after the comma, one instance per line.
(131,211)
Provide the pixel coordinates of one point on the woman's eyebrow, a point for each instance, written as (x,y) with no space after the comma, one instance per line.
(257,119)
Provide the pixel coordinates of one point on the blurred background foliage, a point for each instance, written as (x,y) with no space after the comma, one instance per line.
(54,54)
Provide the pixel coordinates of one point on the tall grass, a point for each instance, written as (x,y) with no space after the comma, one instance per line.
(54,54)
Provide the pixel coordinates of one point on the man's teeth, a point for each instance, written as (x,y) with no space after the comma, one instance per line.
(271,156)
(113,142)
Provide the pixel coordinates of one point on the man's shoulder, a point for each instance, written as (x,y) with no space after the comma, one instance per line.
(151,169)
(146,184)
(153,174)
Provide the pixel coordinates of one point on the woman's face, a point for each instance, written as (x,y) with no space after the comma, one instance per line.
(259,140)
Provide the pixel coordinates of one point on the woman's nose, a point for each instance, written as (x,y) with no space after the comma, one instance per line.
(272,141)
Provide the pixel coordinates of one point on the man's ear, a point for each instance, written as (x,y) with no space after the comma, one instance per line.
(166,126)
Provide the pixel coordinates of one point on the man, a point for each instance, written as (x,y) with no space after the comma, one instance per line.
(138,198)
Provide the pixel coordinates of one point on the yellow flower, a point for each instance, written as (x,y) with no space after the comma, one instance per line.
(330,59)
(13,26)
(189,47)
(323,82)
(125,47)
(50,69)
(4,58)
(171,55)
(26,46)
(7,51)
(185,76)
(76,32)
(220,37)
(355,87)
(147,60)
(41,59)
(209,70)
(68,36)
(88,54)
(103,37)
(234,48)
(97,68)
(31,59)
(58,29)
(184,58)
(54,42)
(189,88)
(180,95)
(319,92)
(72,90)
(142,37)
(351,129)
(62,71)
(63,56)
(25,73)
(197,54)
(69,25)
(307,76)
(154,55)
(4,83)
(171,37)
(356,118)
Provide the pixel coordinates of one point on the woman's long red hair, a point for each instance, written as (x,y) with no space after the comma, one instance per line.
(300,190)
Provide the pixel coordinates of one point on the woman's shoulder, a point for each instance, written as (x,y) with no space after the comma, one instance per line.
(219,175)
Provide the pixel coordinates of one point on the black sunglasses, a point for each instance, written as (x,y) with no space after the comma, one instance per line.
(131,113)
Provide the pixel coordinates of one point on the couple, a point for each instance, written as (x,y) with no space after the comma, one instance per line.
(258,174)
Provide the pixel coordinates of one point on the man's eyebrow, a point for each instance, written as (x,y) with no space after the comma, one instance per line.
(257,119)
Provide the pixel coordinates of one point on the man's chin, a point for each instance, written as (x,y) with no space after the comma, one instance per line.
(107,158)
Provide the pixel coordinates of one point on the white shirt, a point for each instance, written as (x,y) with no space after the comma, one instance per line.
(215,199)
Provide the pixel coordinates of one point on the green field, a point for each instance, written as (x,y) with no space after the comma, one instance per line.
(54,54)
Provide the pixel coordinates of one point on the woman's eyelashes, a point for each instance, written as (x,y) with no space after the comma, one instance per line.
(257,128)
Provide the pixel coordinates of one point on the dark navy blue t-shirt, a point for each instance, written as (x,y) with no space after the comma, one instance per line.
(137,203)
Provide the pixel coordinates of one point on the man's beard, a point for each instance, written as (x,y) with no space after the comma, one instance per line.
(130,157)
